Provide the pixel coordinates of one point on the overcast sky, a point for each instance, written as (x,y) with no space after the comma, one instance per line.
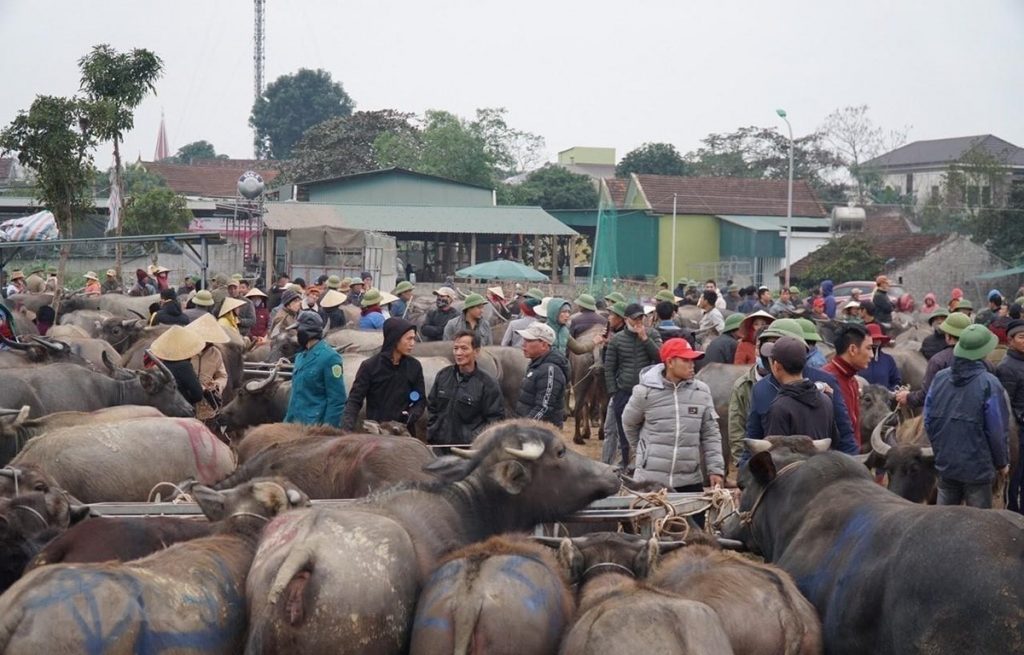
(592,72)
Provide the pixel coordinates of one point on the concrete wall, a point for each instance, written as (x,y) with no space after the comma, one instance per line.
(583,155)
(953,263)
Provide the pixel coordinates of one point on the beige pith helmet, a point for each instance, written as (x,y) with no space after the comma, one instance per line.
(229,304)
(208,329)
(177,344)
(332,299)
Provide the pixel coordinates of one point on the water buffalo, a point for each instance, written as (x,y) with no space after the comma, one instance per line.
(86,351)
(875,404)
(351,575)
(121,333)
(187,598)
(118,538)
(27,523)
(911,364)
(68,387)
(867,559)
(36,351)
(16,428)
(760,607)
(16,480)
(720,378)
(33,302)
(620,614)
(588,388)
(326,464)
(113,303)
(89,320)
(123,461)
(504,596)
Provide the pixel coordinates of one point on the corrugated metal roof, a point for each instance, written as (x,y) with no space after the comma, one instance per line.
(415,218)
(947,151)
(775,223)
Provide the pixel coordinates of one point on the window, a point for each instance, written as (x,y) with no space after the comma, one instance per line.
(972,196)
(935,192)
(986,196)
(910,184)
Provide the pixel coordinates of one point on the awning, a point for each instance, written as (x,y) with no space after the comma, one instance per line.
(1006,272)
(777,223)
(396,219)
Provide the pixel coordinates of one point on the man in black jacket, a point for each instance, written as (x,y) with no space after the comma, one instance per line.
(542,395)
(391,382)
(1011,374)
(170,311)
(935,342)
(883,305)
(464,399)
(800,406)
(437,318)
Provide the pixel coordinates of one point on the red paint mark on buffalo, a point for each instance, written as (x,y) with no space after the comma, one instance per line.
(205,450)
(365,450)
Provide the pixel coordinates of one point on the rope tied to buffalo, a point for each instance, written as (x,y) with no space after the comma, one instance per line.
(674,524)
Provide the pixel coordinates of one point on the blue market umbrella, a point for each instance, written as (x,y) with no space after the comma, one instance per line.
(502,269)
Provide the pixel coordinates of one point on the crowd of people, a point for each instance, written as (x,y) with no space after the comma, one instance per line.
(661,421)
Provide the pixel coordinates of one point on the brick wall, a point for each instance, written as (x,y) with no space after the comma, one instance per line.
(953,263)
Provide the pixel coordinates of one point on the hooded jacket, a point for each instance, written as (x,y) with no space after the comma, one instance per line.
(966,420)
(542,395)
(801,408)
(562,335)
(830,300)
(670,426)
(882,370)
(170,314)
(764,391)
(585,320)
(925,307)
(392,392)
(1011,375)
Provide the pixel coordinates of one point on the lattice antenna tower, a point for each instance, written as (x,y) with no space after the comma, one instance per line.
(258,60)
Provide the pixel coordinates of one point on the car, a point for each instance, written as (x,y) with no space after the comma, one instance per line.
(867,289)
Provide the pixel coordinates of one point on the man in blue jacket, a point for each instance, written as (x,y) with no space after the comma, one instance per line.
(318,384)
(764,392)
(830,300)
(965,417)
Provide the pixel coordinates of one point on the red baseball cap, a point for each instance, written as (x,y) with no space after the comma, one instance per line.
(875,330)
(677,347)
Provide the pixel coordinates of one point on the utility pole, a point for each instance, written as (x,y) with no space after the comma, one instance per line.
(259,59)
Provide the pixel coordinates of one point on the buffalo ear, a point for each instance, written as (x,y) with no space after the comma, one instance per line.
(211,501)
(571,559)
(450,468)
(78,513)
(511,476)
(762,467)
(647,559)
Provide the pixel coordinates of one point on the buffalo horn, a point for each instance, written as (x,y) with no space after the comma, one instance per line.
(530,451)
(464,453)
(138,314)
(877,443)
(106,361)
(730,544)
(758,445)
(9,412)
(128,322)
(55,346)
(14,345)
(928,453)
(550,542)
(11,472)
(822,445)
(164,372)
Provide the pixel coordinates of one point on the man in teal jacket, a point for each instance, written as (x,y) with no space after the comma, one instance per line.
(318,384)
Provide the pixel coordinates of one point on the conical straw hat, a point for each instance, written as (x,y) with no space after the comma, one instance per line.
(177,344)
(208,329)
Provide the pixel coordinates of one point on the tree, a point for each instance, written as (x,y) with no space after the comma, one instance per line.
(760,152)
(846,258)
(553,187)
(1002,230)
(447,146)
(514,151)
(292,104)
(855,139)
(157,211)
(117,82)
(197,151)
(341,146)
(653,159)
(54,138)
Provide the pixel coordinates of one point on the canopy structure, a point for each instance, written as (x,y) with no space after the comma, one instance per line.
(502,269)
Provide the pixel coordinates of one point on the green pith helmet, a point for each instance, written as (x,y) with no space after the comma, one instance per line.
(733,322)
(402,287)
(473,300)
(955,324)
(615,297)
(619,309)
(370,298)
(587,301)
(976,341)
(784,327)
(810,331)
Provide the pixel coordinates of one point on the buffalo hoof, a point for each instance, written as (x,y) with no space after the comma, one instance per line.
(578,440)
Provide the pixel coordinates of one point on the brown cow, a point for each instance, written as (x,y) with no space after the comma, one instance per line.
(187,598)
(342,466)
(619,614)
(504,596)
(118,538)
(760,607)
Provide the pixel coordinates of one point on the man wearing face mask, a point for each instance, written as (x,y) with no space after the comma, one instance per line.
(318,383)
(437,318)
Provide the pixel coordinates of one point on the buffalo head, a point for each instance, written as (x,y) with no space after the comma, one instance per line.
(910,467)
(34,511)
(609,552)
(257,402)
(261,499)
(121,333)
(524,473)
(15,480)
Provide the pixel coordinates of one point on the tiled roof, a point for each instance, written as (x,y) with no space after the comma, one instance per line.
(885,222)
(208,181)
(942,152)
(617,187)
(896,251)
(733,196)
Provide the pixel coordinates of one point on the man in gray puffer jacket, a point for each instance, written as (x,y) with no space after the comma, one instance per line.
(670,420)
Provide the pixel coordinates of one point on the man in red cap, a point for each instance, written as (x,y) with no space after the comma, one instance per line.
(882,368)
(670,421)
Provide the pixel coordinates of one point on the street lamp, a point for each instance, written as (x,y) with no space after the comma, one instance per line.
(789,197)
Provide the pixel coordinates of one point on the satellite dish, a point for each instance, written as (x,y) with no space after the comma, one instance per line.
(250,185)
